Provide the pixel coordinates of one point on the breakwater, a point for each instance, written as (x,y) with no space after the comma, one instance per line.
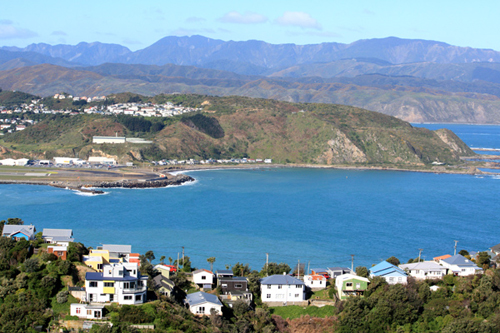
(146,183)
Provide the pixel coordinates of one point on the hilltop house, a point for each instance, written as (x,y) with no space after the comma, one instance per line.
(201,303)
(203,278)
(223,273)
(282,290)
(350,285)
(333,272)
(59,251)
(96,259)
(18,232)
(461,266)
(392,274)
(58,236)
(424,270)
(121,283)
(234,288)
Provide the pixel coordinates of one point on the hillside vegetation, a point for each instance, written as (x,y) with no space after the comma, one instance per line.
(245,127)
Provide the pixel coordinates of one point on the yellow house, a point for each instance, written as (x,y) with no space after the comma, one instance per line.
(98,258)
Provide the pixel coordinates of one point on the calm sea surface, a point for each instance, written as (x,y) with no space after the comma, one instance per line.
(316,216)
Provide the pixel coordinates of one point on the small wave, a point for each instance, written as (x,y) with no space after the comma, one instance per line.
(89,194)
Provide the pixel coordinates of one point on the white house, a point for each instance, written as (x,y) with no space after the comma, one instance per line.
(203,278)
(121,283)
(461,266)
(315,282)
(102,160)
(392,274)
(58,236)
(201,303)
(424,270)
(86,311)
(283,289)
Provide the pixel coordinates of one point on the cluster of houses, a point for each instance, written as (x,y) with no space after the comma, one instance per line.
(14,124)
(60,161)
(115,277)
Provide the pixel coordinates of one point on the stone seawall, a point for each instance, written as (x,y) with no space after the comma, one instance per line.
(150,183)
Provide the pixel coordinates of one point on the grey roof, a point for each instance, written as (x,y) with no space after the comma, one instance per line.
(338,269)
(57,233)
(201,297)
(224,271)
(424,266)
(234,278)
(495,248)
(92,276)
(280,279)
(117,248)
(459,260)
(13,229)
(161,281)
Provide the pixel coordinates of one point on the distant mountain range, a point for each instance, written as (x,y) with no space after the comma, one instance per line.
(416,80)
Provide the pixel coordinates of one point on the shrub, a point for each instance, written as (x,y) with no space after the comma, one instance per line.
(62,296)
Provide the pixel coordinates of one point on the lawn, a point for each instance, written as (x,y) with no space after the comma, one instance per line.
(296,311)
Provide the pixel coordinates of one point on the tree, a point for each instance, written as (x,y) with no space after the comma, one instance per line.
(483,260)
(162,259)
(211,260)
(32,265)
(463,253)
(170,260)
(12,221)
(150,256)
(362,271)
(393,260)
(241,270)
(275,269)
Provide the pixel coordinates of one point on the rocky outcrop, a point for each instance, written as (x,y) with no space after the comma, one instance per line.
(150,183)
(342,150)
(452,140)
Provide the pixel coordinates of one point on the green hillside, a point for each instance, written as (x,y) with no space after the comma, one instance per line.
(246,127)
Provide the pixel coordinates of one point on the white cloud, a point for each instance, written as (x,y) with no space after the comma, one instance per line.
(8,31)
(247,18)
(298,19)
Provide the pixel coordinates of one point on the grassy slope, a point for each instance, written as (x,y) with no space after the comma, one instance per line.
(257,128)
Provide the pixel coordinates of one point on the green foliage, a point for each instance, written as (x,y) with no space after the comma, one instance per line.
(393,260)
(241,270)
(134,315)
(32,265)
(274,269)
(62,296)
(483,259)
(76,251)
(207,125)
(295,311)
(149,255)
(362,271)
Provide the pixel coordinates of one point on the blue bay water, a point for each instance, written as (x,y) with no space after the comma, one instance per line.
(321,216)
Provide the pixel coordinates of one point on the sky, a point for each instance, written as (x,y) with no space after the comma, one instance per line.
(138,24)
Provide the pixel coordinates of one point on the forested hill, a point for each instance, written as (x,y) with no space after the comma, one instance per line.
(245,127)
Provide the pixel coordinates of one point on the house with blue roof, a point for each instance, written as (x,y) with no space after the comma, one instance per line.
(392,274)
(202,303)
(460,266)
(121,283)
(282,290)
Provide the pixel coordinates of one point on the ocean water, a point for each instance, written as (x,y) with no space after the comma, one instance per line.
(317,216)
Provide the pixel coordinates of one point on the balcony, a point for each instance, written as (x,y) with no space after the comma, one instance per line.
(136,290)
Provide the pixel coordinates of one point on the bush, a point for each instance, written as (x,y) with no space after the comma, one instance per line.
(32,265)
(62,296)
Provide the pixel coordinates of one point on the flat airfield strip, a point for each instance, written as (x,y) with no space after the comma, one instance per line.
(37,174)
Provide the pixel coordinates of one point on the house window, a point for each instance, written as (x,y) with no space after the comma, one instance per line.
(238,285)
(298,286)
(348,284)
(268,286)
(109,284)
(224,285)
(93,284)
(391,279)
(138,297)
(203,277)
(280,286)
(296,295)
(201,309)
(400,278)
(119,272)
(126,285)
(127,298)
(99,266)
(78,310)
(268,296)
(89,312)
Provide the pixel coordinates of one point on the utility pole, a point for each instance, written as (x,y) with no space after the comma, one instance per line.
(298,270)
(177,262)
(419,253)
(352,263)
(308,269)
(267,263)
(183,256)
(455,248)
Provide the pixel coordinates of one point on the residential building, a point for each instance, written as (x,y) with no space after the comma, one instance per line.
(437,259)
(460,266)
(223,273)
(117,251)
(165,270)
(234,288)
(203,278)
(282,289)
(336,271)
(163,285)
(96,259)
(424,270)
(201,303)
(58,236)
(17,232)
(315,281)
(59,251)
(121,283)
(350,285)
(86,311)
(392,274)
